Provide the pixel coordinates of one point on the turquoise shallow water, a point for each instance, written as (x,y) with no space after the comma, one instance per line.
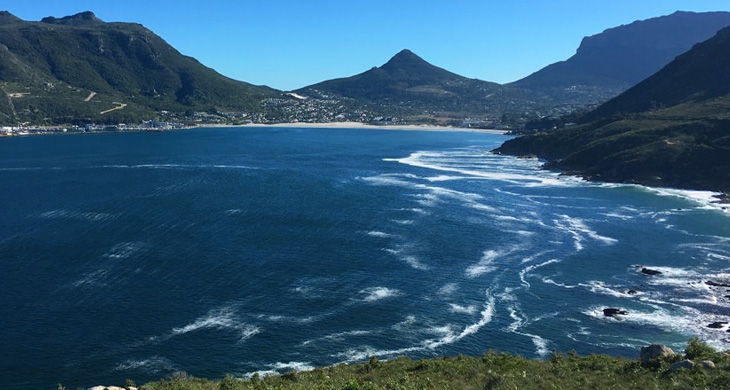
(262,249)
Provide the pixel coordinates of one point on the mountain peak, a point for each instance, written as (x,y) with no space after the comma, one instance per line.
(405,53)
(79,18)
(7,17)
(403,57)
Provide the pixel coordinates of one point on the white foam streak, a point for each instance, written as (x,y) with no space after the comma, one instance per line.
(292,366)
(448,289)
(421,160)
(484,265)
(379,234)
(577,228)
(449,337)
(373,294)
(486,317)
(78,215)
(524,272)
(222,319)
(412,261)
(454,308)
(153,365)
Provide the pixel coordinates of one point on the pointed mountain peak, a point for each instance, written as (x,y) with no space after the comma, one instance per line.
(405,56)
(407,65)
(79,18)
(405,53)
(7,17)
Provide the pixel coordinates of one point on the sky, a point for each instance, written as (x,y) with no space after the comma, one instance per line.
(289,44)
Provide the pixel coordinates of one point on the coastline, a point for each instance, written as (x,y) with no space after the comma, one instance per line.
(328,125)
(360,125)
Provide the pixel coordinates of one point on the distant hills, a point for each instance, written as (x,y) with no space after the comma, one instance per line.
(49,70)
(604,65)
(405,73)
(618,58)
(411,85)
(80,69)
(672,129)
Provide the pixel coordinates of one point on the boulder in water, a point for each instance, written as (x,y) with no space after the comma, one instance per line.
(717,325)
(717,284)
(613,312)
(632,292)
(649,271)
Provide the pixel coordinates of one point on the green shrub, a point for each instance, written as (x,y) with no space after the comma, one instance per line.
(229,383)
(697,349)
(351,385)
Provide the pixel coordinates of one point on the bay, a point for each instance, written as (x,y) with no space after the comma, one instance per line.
(242,250)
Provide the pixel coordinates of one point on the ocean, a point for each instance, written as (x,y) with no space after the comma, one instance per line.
(243,250)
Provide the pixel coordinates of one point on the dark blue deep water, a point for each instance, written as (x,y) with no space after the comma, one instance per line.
(219,251)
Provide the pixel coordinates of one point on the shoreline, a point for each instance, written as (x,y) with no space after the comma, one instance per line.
(360,125)
(328,125)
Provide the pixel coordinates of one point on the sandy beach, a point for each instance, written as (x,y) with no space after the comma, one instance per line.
(360,125)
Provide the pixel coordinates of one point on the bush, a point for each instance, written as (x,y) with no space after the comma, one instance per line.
(697,349)
(229,383)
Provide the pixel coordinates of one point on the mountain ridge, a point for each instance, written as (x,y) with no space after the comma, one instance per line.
(672,129)
(48,68)
(619,57)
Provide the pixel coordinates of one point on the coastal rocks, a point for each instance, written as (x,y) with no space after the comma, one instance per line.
(688,365)
(613,312)
(111,388)
(717,284)
(649,271)
(632,292)
(717,325)
(653,352)
(684,364)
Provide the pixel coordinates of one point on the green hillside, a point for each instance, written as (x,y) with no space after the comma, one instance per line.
(492,371)
(672,129)
(411,85)
(48,70)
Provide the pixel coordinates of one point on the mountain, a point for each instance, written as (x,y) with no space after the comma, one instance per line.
(410,84)
(608,63)
(672,129)
(404,74)
(78,68)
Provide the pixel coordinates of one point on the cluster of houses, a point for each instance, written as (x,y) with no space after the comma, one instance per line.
(144,126)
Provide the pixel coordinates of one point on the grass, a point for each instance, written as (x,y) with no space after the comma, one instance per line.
(490,371)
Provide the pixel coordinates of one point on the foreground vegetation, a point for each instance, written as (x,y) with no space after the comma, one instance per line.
(490,371)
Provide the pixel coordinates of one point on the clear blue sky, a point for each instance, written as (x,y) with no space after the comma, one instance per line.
(289,44)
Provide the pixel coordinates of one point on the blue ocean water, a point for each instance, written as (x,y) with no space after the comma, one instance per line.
(217,251)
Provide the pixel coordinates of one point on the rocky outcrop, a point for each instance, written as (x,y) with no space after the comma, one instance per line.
(111,388)
(688,365)
(649,271)
(717,284)
(684,364)
(613,312)
(717,325)
(653,352)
